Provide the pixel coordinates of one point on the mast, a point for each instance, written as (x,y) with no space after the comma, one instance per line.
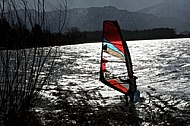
(127,56)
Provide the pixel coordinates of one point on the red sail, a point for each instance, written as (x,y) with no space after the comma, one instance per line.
(104,65)
(115,57)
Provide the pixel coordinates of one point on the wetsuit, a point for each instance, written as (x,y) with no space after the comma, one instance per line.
(132,87)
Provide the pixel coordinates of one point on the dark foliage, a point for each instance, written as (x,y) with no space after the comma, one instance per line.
(17,37)
(14,37)
(83,107)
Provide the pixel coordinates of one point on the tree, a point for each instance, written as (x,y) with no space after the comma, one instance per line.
(73,34)
(24,72)
(4,32)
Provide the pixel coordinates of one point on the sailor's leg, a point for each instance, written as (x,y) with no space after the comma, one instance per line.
(127,99)
(136,96)
(131,96)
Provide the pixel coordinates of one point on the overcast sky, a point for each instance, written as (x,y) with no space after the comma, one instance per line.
(131,5)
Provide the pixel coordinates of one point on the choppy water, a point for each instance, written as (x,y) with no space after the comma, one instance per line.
(162,68)
(161,65)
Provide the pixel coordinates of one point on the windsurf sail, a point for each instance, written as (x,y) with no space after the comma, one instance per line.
(115,57)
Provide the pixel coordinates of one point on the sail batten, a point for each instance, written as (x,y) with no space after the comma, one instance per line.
(115,57)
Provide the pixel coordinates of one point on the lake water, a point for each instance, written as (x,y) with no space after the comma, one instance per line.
(160,65)
(162,68)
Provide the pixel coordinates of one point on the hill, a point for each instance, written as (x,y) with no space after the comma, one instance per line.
(176,9)
(90,19)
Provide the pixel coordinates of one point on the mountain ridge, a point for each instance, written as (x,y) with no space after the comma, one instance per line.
(171,8)
(88,19)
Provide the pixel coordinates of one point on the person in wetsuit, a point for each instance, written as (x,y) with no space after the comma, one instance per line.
(132,91)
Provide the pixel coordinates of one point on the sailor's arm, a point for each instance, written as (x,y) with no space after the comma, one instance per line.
(124,80)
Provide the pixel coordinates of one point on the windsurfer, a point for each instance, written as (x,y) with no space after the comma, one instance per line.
(132,92)
(116,52)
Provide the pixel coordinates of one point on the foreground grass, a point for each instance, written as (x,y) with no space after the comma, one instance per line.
(79,108)
(84,108)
